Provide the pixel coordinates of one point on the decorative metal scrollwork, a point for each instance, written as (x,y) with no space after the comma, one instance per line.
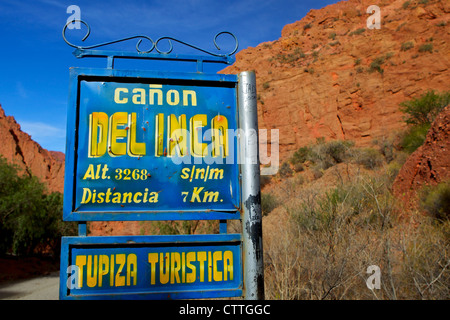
(105,43)
(154,44)
(170,39)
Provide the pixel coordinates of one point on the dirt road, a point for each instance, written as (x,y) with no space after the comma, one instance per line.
(40,288)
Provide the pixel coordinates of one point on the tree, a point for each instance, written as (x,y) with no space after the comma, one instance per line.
(30,217)
(424,109)
(420,114)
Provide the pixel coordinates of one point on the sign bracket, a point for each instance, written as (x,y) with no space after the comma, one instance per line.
(85,51)
(82,229)
(112,55)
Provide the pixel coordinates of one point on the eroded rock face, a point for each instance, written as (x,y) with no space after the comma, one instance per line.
(430,163)
(18,148)
(330,76)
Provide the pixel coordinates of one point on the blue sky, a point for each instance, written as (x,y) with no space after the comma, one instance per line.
(35,60)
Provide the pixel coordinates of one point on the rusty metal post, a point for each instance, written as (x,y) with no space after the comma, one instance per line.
(251,191)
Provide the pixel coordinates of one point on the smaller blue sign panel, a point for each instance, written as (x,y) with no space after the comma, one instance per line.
(151,267)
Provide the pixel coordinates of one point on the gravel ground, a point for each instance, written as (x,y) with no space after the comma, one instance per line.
(40,288)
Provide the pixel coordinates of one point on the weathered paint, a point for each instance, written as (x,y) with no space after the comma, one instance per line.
(251,191)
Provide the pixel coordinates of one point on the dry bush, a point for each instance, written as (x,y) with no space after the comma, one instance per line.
(330,237)
(179,227)
(426,267)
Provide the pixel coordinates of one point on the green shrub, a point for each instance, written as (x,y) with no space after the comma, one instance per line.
(41,228)
(328,154)
(406,46)
(369,158)
(30,218)
(406,4)
(376,65)
(436,200)
(427,47)
(292,57)
(386,149)
(392,170)
(379,61)
(424,109)
(298,167)
(337,150)
(268,203)
(389,55)
(414,137)
(285,170)
(357,32)
(300,156)
(365,200)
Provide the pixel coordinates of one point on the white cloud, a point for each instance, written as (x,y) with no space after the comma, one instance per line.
(48,136)
(21,90)
(40,129)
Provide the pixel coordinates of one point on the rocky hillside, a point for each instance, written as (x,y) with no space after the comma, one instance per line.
(430,164)
(330,76)
(18,147)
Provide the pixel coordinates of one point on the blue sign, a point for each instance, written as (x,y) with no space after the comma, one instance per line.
(156,267)
(152,145)
(144,145)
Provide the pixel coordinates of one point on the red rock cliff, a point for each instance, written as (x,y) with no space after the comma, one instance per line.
(18,147)
(330,76)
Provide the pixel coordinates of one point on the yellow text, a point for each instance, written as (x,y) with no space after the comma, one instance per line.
(189,267)
(155,95)
(117,270)
(92,196)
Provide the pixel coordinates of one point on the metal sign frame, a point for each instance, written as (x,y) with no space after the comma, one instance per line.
(244,250)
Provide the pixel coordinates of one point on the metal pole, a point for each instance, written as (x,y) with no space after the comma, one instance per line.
(251,191)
